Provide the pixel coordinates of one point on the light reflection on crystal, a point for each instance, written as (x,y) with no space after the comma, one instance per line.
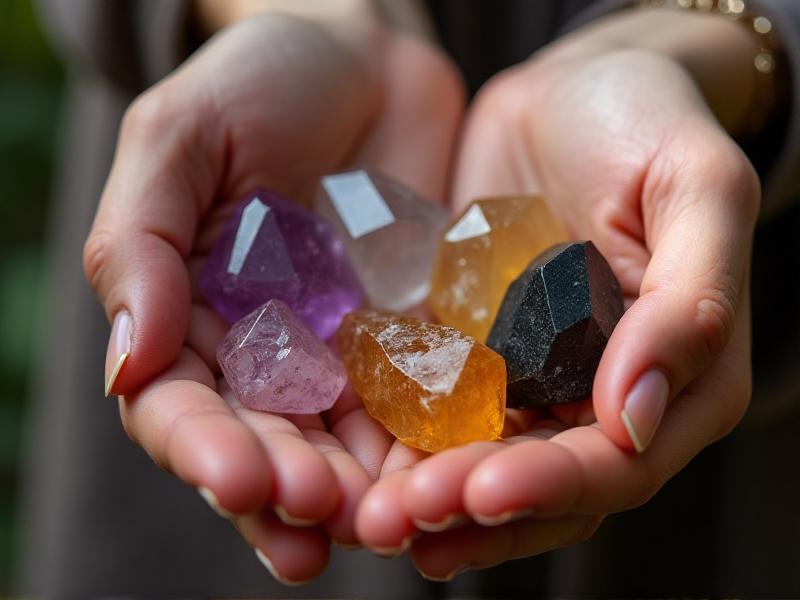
(390,233)
(482,252)
(430,386)
(272,362)
(273,248)
(252,217)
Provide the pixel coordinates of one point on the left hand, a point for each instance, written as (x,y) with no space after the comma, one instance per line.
(626,149)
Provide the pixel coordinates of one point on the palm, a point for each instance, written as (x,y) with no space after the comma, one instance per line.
(298,105)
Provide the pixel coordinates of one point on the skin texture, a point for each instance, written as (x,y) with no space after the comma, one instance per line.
(646,171)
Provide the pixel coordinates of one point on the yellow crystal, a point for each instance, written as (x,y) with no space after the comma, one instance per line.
(482,252)
(429,385)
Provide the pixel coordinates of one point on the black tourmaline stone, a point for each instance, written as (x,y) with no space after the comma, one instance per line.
(554,324)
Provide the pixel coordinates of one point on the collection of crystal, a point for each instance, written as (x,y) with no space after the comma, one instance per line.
(502,273)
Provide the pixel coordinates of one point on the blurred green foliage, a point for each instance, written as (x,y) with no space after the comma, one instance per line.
(31,81)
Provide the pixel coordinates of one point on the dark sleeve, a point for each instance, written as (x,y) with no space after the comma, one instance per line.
(130,43)
(777,153)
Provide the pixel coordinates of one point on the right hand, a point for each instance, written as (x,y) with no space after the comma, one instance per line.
(275,101)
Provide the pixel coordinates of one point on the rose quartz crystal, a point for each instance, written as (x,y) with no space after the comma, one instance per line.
(274,363)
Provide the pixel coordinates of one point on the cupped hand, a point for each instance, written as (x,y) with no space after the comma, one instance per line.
(276,101)
(628,154)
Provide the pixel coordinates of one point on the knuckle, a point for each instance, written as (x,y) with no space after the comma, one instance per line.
(715,315)
(507,96)
(96,257)
(726,167)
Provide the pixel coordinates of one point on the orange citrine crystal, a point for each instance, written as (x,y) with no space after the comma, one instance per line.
(431,386)
(482,252)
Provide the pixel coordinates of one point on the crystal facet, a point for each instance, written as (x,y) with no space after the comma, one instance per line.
(554,323)
(482,252)
(274,363)
(429,385)
(389,231)
(271,248)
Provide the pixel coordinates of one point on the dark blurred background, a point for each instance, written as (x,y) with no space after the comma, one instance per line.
(31,81)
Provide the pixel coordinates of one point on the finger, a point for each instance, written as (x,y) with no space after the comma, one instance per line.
(161,180)
(189,430)
(581,470)
(546,480)
(292,556)
(206,331)
(401,457)
(441,556)
(700,202)
(305,489)
(352,482)
(362,436)
(381,523)
(432,496)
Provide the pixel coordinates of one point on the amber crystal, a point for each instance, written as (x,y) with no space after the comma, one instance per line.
(431,386)
(482,252)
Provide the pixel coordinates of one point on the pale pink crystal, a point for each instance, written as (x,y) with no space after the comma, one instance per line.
(274,363)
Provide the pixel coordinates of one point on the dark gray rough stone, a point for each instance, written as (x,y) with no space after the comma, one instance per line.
(554,324)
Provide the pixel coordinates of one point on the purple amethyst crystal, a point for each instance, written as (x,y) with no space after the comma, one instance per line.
(271,248)
(274,363)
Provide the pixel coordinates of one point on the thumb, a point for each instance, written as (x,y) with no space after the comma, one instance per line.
(134,257)
(699,213)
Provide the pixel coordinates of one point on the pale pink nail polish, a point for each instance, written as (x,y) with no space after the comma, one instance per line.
(119,348)
(644,407)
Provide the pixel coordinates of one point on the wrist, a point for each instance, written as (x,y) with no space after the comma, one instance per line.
(717,52)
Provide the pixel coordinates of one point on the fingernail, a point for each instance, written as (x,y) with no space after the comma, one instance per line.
(644,408)
(502,518)
(272,571)
(393,552)
(212,501)
(451,521)
(119,348)
(290,520)
(449,577)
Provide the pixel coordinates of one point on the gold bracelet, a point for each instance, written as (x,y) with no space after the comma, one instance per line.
(766,62)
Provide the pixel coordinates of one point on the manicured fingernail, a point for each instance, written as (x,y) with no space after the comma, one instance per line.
(272,571)
(290,520)
(502,518)
(119,348)
(644,408)
(449,577)
(211,498)
(451,521)
(393,552)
